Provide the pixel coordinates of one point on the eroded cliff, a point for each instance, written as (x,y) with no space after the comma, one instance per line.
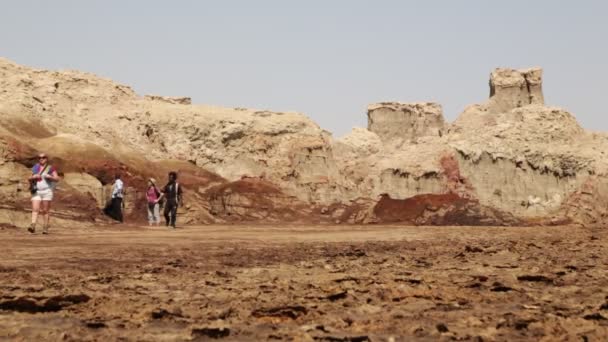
(511,160)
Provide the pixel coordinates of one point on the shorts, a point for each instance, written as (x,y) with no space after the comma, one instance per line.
(43,195)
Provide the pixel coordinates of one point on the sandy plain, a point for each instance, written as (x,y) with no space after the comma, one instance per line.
(304,283)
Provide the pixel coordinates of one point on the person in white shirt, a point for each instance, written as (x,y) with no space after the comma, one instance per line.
(114,210)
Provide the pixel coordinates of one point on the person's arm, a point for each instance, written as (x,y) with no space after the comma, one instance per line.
(179,195)
(162,194)
(53,176)
(35,175)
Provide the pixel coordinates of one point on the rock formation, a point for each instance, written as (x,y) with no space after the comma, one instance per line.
(405,121)
(511,89)
(511,160)
(171,100)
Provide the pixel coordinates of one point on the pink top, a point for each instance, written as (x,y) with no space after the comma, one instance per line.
(152,194)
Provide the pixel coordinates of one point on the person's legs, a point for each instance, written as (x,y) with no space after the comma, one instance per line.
(166,213)
(151,217)
(45,210)
(35,211)
(113,209)
(173,214)
(109,209)
(117,209)
(156,213)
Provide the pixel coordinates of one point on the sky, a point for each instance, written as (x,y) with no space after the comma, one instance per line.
(326,59)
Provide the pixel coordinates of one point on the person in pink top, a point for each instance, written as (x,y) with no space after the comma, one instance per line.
(153,198)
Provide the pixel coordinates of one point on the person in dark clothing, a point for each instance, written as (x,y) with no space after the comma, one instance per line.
(172,192)
(114,208)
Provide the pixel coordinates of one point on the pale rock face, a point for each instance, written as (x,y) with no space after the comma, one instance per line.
(13,176)
(87,185)
(286,148)
(360,142)
(528,160)
(516,187)
(511,159)
(411,170)
(511,89)
(405,121)
(12,185)
(512,154)
(356,155)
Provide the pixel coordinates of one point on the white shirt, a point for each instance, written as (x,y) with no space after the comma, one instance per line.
(117,189)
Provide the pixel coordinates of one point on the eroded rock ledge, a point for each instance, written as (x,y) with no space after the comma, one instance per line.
(510,160)
(405,121)
(170,99)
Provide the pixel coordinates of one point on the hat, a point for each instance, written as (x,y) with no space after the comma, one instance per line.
(152,180)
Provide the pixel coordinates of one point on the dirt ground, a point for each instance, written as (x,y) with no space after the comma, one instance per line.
(304,283)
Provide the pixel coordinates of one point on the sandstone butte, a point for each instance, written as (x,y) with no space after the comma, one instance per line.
(509,161)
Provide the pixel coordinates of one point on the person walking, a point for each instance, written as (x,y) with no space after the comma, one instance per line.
(173,193)
(42,184)
(153,196)
(114,209)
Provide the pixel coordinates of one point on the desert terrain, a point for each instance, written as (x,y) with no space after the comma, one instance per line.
(487,228)
(304,283)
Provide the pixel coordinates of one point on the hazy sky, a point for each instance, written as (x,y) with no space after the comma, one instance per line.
(327,59)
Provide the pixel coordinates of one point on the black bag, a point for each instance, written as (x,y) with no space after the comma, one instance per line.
(34,182)
(33,186)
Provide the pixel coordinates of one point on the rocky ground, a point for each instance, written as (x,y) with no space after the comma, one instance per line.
(305,283)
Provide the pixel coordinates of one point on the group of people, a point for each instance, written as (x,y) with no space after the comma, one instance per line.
(44,178)
(170,196)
